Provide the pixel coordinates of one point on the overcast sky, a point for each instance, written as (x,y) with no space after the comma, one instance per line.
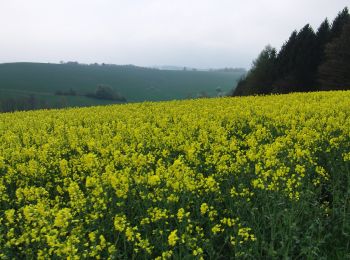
(193,33)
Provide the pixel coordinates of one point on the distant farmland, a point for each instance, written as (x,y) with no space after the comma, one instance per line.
(136,84)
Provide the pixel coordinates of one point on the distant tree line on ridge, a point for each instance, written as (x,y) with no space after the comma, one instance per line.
(30,102)
(102,92)
(107,93)
(70,92)
(308,61)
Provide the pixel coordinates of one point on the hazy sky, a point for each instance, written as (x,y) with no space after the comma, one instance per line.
(194,33)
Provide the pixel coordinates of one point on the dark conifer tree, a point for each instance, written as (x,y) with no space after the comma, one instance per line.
(323,35)
(339,22)
(285,62)
(297,62)
(261,76)
(297,67)
(322,38)
(305,60)
(334,73)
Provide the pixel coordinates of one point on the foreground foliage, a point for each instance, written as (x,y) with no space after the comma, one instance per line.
(245,177)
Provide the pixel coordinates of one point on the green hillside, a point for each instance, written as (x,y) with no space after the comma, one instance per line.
(136,84)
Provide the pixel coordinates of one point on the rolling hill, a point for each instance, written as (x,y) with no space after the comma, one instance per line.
(136,84)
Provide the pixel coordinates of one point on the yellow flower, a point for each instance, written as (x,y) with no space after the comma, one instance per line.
(181,213)
(120,223)
(92,236)
(217,229)
(62,218)
(204,208)
(10,215)
(173,238)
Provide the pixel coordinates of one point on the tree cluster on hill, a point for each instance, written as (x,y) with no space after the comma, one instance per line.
(308,61)
(20,104)
(30,102)
(107,93)
(70,92)
(234,70)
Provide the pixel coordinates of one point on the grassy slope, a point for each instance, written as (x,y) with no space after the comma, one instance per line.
(136,84)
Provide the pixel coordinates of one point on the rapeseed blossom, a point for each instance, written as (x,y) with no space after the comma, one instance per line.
(179,179)
(173,238)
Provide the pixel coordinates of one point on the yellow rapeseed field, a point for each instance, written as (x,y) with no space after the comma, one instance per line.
(228,177)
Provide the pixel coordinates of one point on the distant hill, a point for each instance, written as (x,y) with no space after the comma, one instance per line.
(136,84)
(170,67)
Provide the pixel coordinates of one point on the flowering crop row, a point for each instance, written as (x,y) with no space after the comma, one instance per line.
(210,178)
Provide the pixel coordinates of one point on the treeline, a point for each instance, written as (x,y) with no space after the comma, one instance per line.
(30,102)
(308,61)
(101,92)
(106,93)
(70,92)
